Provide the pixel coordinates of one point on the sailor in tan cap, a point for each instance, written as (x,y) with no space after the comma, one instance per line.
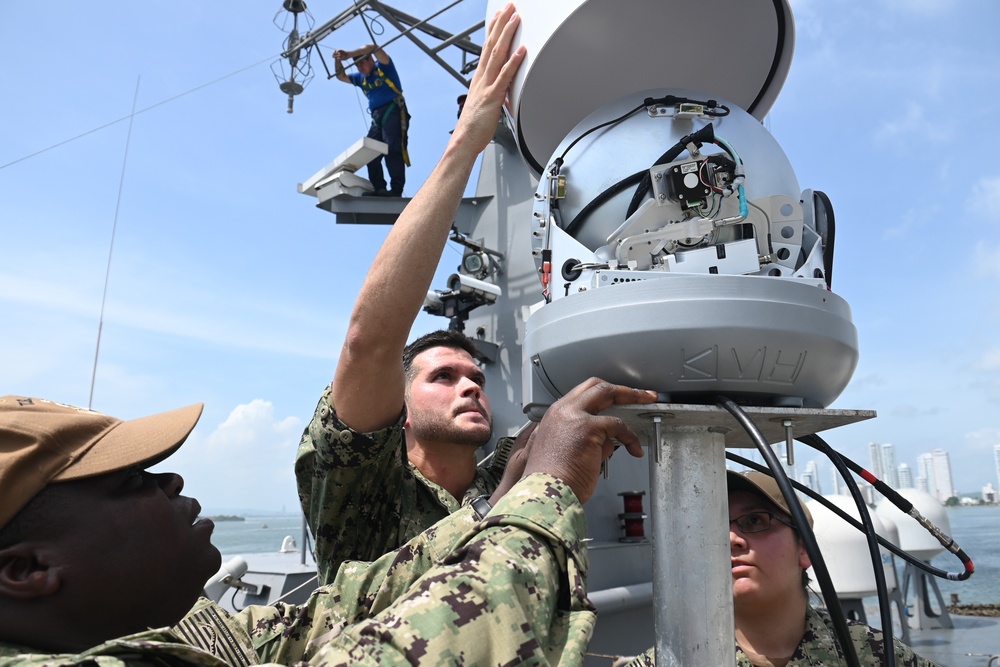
(102,561)
(86,532)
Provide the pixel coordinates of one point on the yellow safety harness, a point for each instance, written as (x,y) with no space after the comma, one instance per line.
(404,115)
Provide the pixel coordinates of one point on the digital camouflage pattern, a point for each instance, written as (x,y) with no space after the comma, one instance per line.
(508,590)
(362,496)
(818,647)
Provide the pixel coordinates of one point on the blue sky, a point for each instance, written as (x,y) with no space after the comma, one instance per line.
(228,287)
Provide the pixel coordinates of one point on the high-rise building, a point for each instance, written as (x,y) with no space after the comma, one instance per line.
(875,454)
(889,466)
(810,477)
(925,473)
(996,460)
(923,484)
(943,488)
(905,477)
(835,480)
(989,494)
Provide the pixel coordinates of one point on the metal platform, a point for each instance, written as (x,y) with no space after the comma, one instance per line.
(385,210)
(805,421)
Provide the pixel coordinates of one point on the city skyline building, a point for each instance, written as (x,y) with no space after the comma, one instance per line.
(905,477)
(875,455)
(923,484)
(889,467)
(810,477)
(996,461)
(943,487)
(925,473)
(931,474)
(989,494)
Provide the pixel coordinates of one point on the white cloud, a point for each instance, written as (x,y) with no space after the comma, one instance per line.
(910,123)
(909,222)
(244,463)
(261,324)
(990,360)
(922,7)
(808,22)
(907,411)
(982,440)
(251,428)
(986,260)
(985,200)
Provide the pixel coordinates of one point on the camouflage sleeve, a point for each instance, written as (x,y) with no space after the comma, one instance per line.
(819,646)
(352,488)
(507,590)
(286,633)
(871,650)
(205,637)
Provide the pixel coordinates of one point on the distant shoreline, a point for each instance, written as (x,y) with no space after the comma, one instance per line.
(227,517)
(992,610)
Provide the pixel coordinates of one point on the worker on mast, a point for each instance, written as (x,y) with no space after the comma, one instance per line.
(377,76)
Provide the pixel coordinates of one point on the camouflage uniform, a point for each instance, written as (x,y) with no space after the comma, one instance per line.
(818,647)
(361,494)
(507,590)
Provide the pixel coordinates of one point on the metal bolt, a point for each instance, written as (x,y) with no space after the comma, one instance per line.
(789,453)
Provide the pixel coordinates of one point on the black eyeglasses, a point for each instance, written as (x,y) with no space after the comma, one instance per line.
(758,522)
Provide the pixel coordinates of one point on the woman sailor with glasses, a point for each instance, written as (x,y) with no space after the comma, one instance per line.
(774,623)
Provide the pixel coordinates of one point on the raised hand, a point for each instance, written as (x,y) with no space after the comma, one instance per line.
(488,90)
(573,439)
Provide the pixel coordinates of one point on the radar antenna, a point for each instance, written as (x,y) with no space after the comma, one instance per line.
(429,38)
(298,58)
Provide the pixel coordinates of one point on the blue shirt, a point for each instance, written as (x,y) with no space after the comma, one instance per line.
(378,91)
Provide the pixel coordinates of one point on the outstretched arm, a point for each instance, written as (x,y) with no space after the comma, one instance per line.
(380,55)
(508,588)
(368,385)
(338,66)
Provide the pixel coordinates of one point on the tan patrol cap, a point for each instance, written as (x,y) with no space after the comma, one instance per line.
(43,442)
(762,485)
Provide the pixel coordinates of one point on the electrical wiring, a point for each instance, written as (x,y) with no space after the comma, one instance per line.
(600,199)
(711,108)
(845,466)
(868,529)
(841,631)
(847,518)
(907,508)
(613,121)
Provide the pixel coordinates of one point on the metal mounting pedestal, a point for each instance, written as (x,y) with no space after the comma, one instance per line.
(692,596)
(924,616)
(692,586)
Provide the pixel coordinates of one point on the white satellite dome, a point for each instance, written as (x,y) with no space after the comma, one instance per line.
(687,272)
(845,549)
(740,51)
(912,536)
(889,525)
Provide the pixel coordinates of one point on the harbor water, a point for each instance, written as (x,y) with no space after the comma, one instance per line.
(976,529)
(256,534)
